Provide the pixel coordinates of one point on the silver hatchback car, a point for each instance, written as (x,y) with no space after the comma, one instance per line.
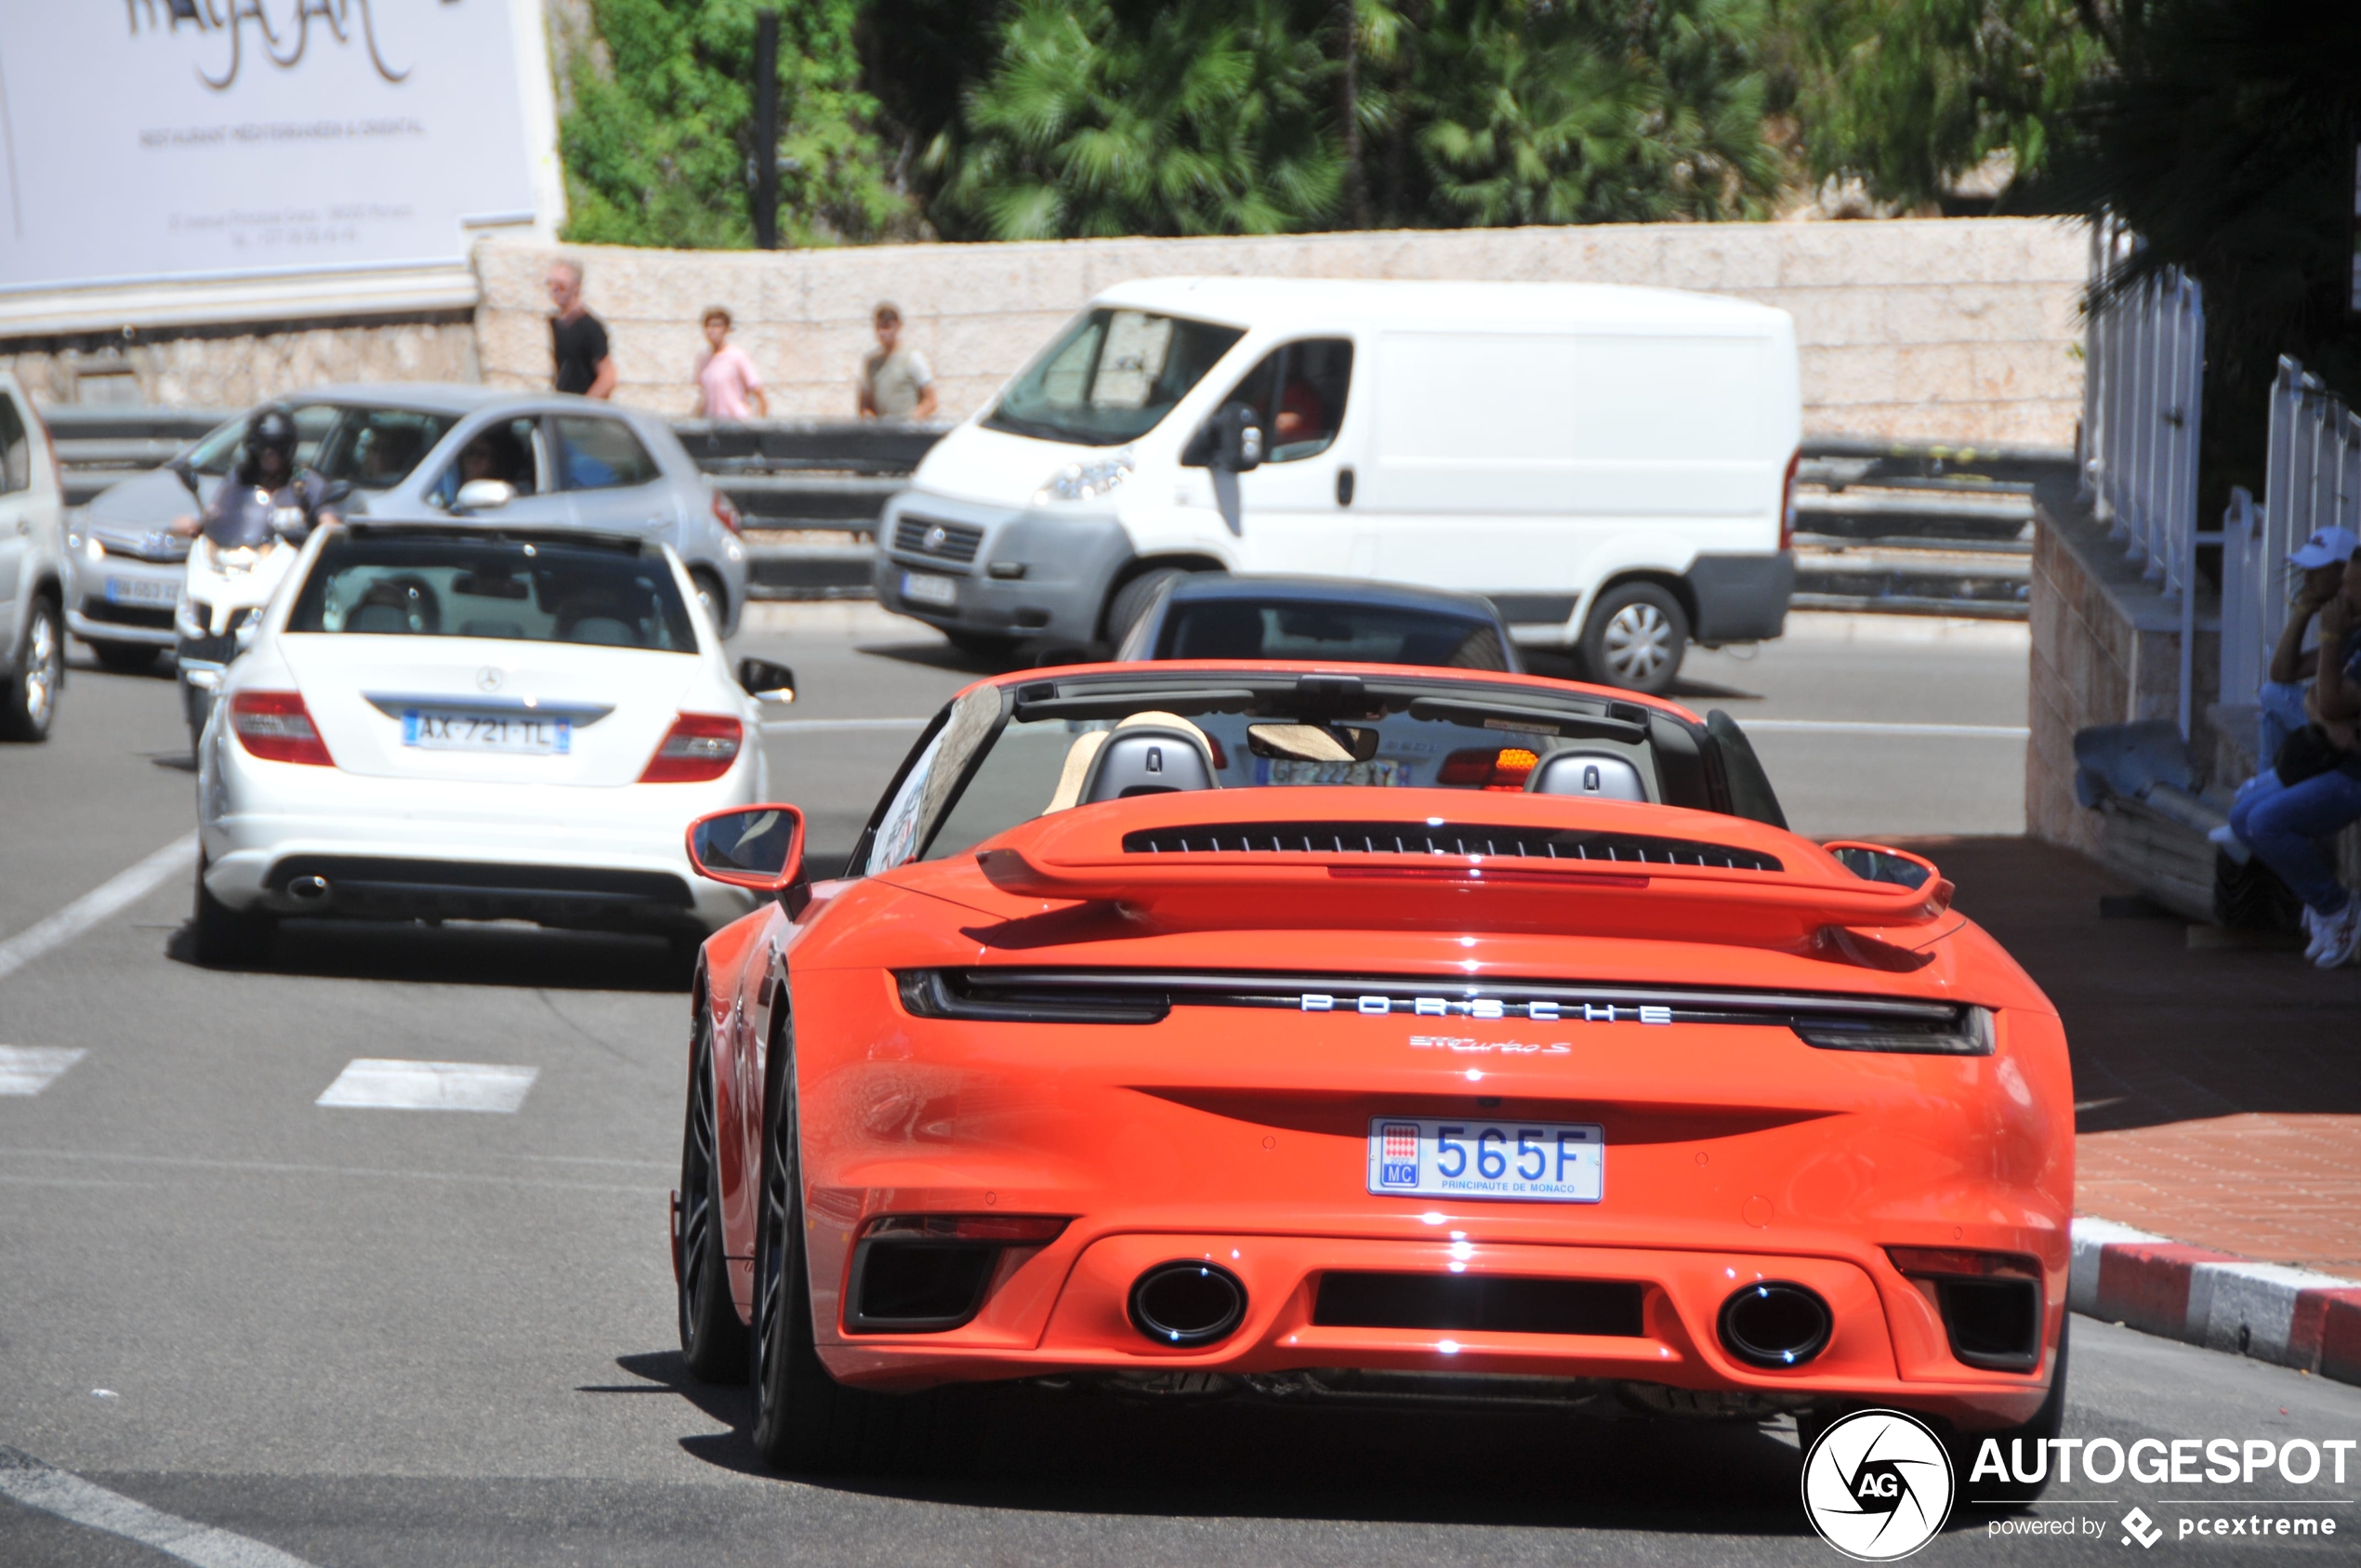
(405,450)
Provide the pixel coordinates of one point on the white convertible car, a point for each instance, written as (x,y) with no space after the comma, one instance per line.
(462,721)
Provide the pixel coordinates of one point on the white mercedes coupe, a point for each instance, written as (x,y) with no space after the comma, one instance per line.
(461,721)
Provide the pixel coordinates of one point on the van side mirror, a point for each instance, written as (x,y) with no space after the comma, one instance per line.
(186,472)
(765,681)
(758,847)
(483,495)
(1237,439)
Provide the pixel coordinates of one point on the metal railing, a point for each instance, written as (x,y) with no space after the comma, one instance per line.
(2143,394)
(2312,480)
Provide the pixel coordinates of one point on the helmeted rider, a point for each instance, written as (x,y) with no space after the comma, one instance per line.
(298,499)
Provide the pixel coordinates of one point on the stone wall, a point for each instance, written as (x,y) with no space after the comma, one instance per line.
(236,366)
(1957,330)
(2106,650)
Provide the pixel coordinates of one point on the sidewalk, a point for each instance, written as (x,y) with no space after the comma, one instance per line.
(2218,1102)
(2218,1091)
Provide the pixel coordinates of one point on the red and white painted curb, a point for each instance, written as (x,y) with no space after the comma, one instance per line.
(2268,1311)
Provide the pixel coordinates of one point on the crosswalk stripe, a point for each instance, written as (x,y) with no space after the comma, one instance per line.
(26,1070)
(382,1084)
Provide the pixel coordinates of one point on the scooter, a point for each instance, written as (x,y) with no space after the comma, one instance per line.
(245,552)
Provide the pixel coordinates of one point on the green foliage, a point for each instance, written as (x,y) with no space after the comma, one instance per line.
(1197,118)
(1594,112)
(1908,95)
(2224,140)
(658,145)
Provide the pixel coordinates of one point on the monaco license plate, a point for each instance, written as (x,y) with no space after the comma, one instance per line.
(143,590)
(430,731)
(925,590)
(1485,1157)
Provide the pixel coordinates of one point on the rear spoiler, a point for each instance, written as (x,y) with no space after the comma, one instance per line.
(1197,861)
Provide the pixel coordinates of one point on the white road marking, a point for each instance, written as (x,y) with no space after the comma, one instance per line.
(94,906)
(36,1486)
(30,1069)
(842,723)
(377,1083)
(1870,727)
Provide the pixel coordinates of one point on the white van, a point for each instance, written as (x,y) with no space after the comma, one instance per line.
(1613,467)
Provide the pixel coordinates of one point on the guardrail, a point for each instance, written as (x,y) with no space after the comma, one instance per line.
(1906,527)
(2143,377)
(2312,480)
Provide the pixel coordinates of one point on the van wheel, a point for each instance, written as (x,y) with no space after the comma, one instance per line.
(29,699)
(1129,602)
(1636,637)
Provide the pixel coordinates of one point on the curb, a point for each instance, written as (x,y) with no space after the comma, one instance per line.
(2271,1311)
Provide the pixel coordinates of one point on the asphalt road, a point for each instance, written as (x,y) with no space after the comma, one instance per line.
(377,1337)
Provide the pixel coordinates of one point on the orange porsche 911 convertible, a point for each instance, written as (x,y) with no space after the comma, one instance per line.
(1400,1034)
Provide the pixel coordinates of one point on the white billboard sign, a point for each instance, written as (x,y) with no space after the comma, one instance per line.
(160,153)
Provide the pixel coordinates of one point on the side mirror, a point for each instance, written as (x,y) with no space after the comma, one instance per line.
(766,682)
(186,472)
(758,847)
(1237,439)
(483,495)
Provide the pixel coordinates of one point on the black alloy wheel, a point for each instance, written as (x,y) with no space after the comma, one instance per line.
(712,1341)
(805,1420)
(30,700)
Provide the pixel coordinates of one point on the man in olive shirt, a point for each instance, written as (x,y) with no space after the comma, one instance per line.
(895,382)
(577,339)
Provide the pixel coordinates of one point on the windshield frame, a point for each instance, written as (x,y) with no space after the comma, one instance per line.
(1000,418)
(1687,755)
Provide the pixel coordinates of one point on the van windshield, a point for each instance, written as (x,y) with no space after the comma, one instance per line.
(1110,378)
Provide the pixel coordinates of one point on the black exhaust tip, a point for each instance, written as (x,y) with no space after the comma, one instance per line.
(310,890)
(1187,1304)
(1775,1324)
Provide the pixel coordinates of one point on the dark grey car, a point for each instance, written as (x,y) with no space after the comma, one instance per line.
(403,448)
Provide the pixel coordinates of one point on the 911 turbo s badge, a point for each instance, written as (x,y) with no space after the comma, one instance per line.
(1468,1044)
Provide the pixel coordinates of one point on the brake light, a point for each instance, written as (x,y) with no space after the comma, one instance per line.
(1786,501)
(1505,768)
(700,746)
(725,512)
(276,727)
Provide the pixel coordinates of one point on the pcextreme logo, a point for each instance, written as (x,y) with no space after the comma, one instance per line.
(1878,1485)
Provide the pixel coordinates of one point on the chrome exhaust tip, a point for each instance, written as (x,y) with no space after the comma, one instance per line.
(1775,1324)
(1187,1303)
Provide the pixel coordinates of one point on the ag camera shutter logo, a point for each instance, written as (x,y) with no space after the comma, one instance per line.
(1878,1485)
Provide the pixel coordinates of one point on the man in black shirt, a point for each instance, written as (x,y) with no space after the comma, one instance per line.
(578,338)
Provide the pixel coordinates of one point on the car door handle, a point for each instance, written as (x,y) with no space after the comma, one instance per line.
(1344,486)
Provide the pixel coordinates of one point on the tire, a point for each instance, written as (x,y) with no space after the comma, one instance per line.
(713,1342)
(126,658)
(1130,601)
(982,644)
(1636,637)
(804,1420)
(228,938)
(30,701)
(2046,1424)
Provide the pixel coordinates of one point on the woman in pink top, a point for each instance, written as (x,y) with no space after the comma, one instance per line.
(728,385)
